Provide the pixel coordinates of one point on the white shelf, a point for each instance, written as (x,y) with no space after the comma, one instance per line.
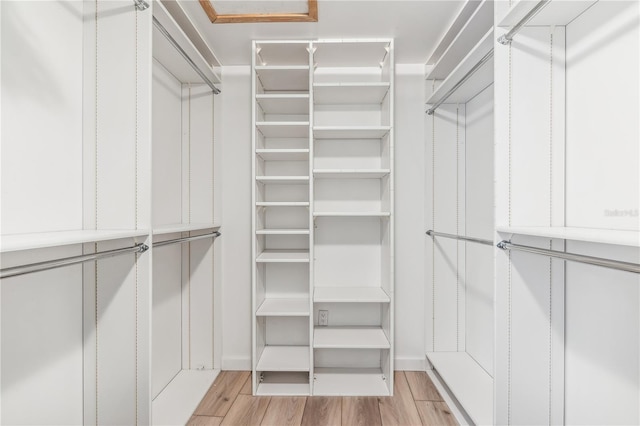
(283,129)
(350,295)
(284,384)
(603,236)
(477,26)
(350,382)
(283,103)
(468,381)
(175,404)
(351,214)
(283,308)
(349,93)
(16,242)
(350,173)
(283,52)
(284,358)
(282,231)
(554,13)
(284,180)
(282,203)
(350,53)
(478,81)
(349,338)
(173,229)
(283,256)
(284,78)
(350,132)
(283,154)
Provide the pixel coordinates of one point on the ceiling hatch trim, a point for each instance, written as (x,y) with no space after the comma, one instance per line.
(215,18)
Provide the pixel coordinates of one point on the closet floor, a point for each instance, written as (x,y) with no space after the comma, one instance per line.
(415,402)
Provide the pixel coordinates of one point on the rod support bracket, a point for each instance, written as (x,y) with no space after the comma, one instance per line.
(503,244)
(143,248)
(141,4)
(504,40)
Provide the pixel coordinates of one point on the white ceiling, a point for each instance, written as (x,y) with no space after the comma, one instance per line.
(416,25)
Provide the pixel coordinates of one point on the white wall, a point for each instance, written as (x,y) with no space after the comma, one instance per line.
(236,200)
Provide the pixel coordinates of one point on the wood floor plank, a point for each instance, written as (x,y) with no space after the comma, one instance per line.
(435,413)
(246,388)
(322,411)
(399,409)
(222,394)
(204,421)
(284,411)
(422,387)
(247,410)
(360,411)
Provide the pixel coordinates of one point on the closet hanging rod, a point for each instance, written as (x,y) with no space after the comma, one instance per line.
(508,37)
(433,233)
(591,260)
(66,261)
(466,77)
(180,50)
(185,239)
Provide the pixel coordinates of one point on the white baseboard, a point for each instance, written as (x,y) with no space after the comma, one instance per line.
(410,364)
(236,363)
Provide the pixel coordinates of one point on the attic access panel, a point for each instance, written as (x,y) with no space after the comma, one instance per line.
(226,12)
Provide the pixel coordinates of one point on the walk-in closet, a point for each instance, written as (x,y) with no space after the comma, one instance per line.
(319,212)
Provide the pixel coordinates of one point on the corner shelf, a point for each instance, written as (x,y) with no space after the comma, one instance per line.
(283,129)
(350,295)
(349,93)
(602,236)
(283,154)
(284,78)
(554,13)
(468,381)
(277,307)
(37,240)
(284,358)
(283,256)
(350,173)
(350,338)
(350,132)
(479,80)
(283,103)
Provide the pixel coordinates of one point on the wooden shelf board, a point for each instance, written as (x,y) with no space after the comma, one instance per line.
(478,81)
(16,242)
(349,382)
(283,154)
(282,78)
(349,93)
(274,231)
(276,307)
(350,173)
(284,358)
(554,13)
(282,204)
(351,214)
(350,132)
(283,179)
(603,236)
(283,129)
(283,103)
(172,229)
(350,295)
(349,338)
(468,381)
(283,256)
(475,28)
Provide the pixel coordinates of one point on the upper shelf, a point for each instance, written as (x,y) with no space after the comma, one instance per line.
(553,13)
(283,154)
(475,28)
(350,132)
(283,103)
(479,80)
(349,93)
(283,129)
(603,236)
(37,240)
(181,227)
(282,52)
(351,53)
(284,78)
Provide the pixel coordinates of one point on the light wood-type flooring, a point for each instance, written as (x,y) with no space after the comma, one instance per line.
(415,402)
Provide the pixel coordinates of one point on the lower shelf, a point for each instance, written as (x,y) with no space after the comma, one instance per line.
(284,358)
(350,381)
(284,384)
(468,381)
(175,404)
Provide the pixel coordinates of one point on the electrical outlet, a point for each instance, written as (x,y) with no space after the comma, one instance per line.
(323,317)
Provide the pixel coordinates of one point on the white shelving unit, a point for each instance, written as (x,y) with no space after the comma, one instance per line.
(301,115)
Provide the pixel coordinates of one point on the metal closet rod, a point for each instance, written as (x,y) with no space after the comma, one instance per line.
(66,261)
(186,239)
(508,37)
(466,77)
(433,233)
(591,260)
(175,44)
